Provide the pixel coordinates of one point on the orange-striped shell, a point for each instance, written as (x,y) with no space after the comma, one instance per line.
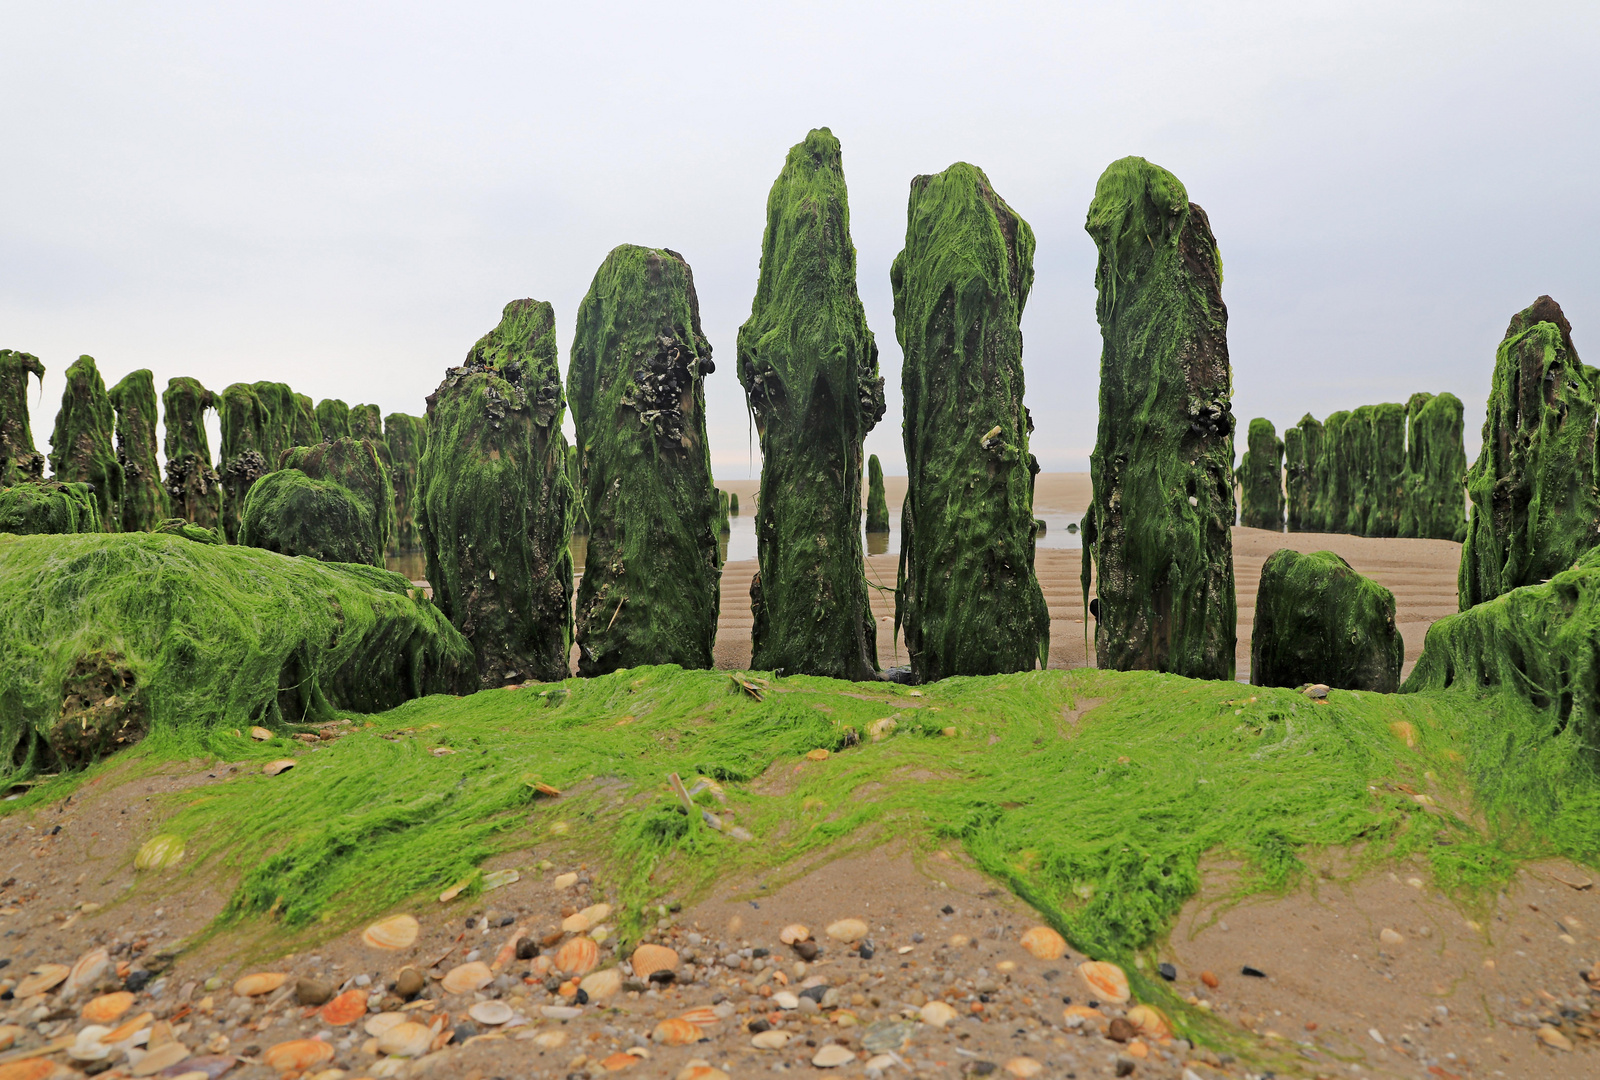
(578,956)
(701,1072)
(1106,980)
(618,1062)
(1151,1022)
(467,978)
(42,978)
(406,1039)
(603,984)
(648,959)
(89,967)
(29,1069)
(297,1055)
(794,932)
(127,1029)
(347,1008)
(262,982)
(676,1033)
(704,1017)
(1044,943)
(394,933)
(107,1007)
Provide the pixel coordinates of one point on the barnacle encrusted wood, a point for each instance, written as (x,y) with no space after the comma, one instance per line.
(1318,621)
(1535,507)
(144,499)
(650,586)
(877,500)
(809,367)
(332,500)
(194,490)
(1158,530)
(1261,478)
(19,459)
(81,449)
(406,436)
(494,505)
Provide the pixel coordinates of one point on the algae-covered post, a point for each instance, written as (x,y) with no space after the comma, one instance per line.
(405,436)
(194,490)
(259,422)
(1436,468)
(333,418)
(1387,503)
(366,422)
(1356,455)
(1294,479)
(637,387)
(1261,478)
(877,501)
(494,503)
(1535,508)
(968,601)
(81,449)
(809,367)
(1312,515)
(144,500)
(1333,482)
(1158,528)
(332,501)
(19,460)
(1318,621)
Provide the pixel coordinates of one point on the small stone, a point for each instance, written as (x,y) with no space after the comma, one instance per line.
(978,1068)
(409,983)
(937,1013)
(887,1035)
(848,930)
(1210,979)
(1124,1065)
(1553,1038)
(1254,973)
(1024,1067)
(1121,1030)
(1168,972)
(832,1056)
(774,1039)
(1390,937)
(313,992)
(806,950)
(783,999)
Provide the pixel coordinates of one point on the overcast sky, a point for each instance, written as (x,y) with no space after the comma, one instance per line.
(343,196)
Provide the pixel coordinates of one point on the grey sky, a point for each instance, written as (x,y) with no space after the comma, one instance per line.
(343,196)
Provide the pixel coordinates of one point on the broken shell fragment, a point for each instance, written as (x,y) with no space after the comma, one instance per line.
(1151,1022)
(496,879)
(377,1025)
(347,1008)
(587,919)
(565,881)
(43,978)
(466,978)
(297,1055)
(1044,943)
(107,1007)
(832,1056)
(578,956)
(262,982)
(676,1033)
(1106,980)
(937,1013)
(395,932)
(89,967)
(794,932)
(282,765)
(703,1017)
(771,1039)
(649,959)
(260,734)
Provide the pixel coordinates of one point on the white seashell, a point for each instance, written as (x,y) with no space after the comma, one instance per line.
(493,1013)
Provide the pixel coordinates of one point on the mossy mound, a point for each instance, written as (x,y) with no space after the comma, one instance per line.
(198,637)
(356,465)
(968,600)
(1535,504)
(495,506)
(19,460)
(366,422)
(188,530)
(636,383)
(194,490)
(259,422)
(333,417)
(809,367)
(1436,468)
(144,500)
(1318,621)
(1158,532)
(406,437)
(81,449)
(877,501)
(48,506)
(1261,478)
(291,513)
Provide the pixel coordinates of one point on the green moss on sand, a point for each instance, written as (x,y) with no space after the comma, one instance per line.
(1159,529)
(494,506)
(968,601)
(333,418)
(194,490)
(259,422)
(1436,468)
(144,500)
(1261,478)
(637,386)
(809,367)
(877,501)
(47,506)
(1318,621)
(406,437)
(19,459)
(196,639)
(81,449)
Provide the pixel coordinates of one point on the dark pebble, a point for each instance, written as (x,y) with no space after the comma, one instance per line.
(984,998)
(662,976)
(806,949)
(814,993)
(472,920)
(1066,1001)
(507,920)
(5,962)
(552,984)
(1052,975)
(1121,1029)
(757,954)
(527,949)
(464,1031)
(866,951)
(948,910)
(1093,1004)
(136,981)
(635,985)
(978,1068)
(758,1025)
(583,996)
(1168,972)
(1124,1066)
(1254,973)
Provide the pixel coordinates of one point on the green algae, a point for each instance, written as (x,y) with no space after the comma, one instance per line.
(198,639)
(1357,453)
(332,501)
(47,506)
(144,499)
(1261,478)
(406,437)
(1318,621)
(1303,477)
(1387,477)
(81,449)
(877,501)
(1295,475)
(968,601)
(19,459)
(333,419)
(1158,531)
(494,505)
(809,367)
(194,490)
(259,422)
(1535,505)
(366,422)
(636,383)
(1333,482)
(1436,468)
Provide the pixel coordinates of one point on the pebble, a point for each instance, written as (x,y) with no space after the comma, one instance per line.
(832,1056)
(848,930)
(408,984)
(1551,1037)
(774,1039)
(937,1013)
(313,991)
(783,999)
(1024,1067)
(1390,937)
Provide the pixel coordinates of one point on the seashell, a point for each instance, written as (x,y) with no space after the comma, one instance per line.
(297,1055)
(455,890)
(794,932)
(832,1056)
(207,1067)
(649,959)
(162,1057)
(785,999)
(347,1008)
(159,853)
(282,765)
(694,1071)
(42,978)
(603,984)
(676,1033)
(507,952)
(1210,979)
(128,1028)
(541,966)
(589,917)
(394,933)
(1151,1022)
(559,828)
(1106,980)
(1044,943)
(90,1045)
(406,1039)
(493,1013)
(107,1007)
(560,1012)
(1553,1038)
(578,956)
(89,967)
(703,1017)
(550,1040)
(466,978)
(496,879)
(263,982)
(565,881)
(9,1034)
(771,1039)
(847,930)
(260,734)
(1024,1067)
(377,1025)
(937,1013)
(617,1062)
(1405,732)
(29,1069)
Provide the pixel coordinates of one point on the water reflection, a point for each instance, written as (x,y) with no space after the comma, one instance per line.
(410,563)
(877,543)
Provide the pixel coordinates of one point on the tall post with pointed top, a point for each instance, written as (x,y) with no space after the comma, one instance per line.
(259,422)
(968,600)
(19,459)
(405,436)
(1261,478)
(877,500)
(809,367)
(1308,480)
(333,418)
(194,490)
(144,500)
(1158,529)
(650,585)
(81,449)
(1436,468)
